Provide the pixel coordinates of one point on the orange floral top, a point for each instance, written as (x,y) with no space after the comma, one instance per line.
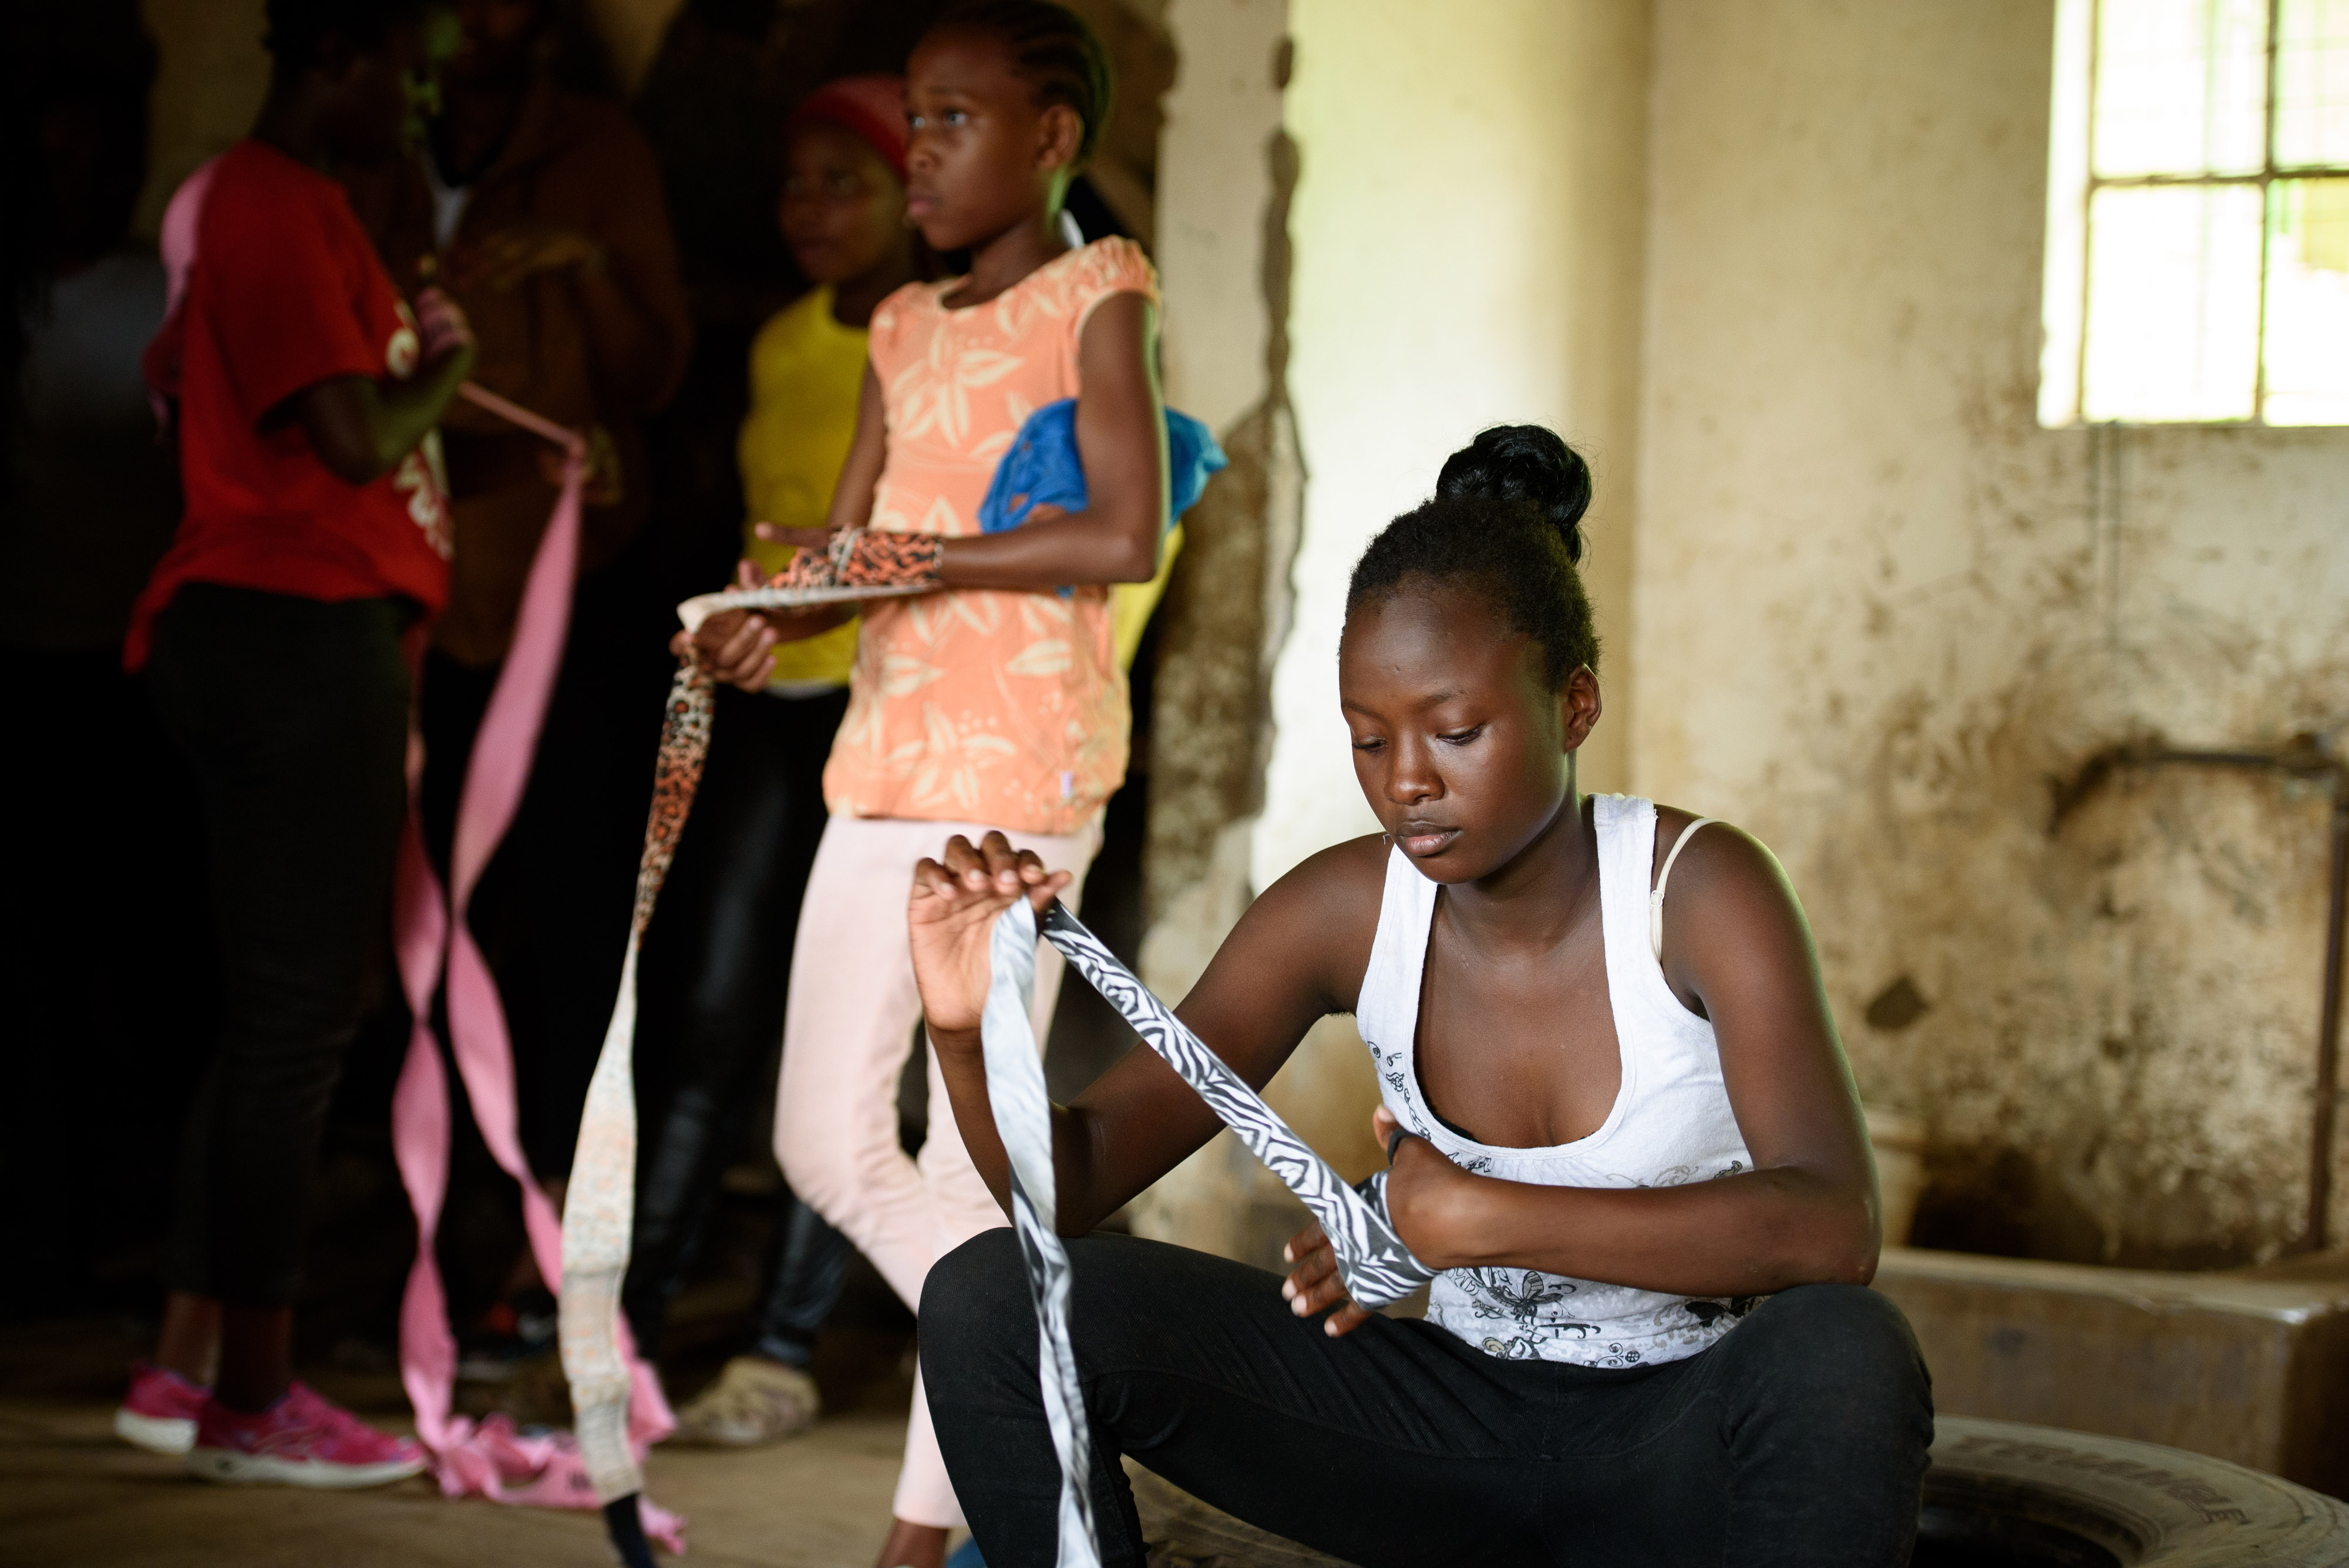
(979,705)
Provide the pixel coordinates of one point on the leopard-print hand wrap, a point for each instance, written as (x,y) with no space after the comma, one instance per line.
(867,558)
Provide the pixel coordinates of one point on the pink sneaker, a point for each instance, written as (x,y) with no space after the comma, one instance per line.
(301,1440)
(159,1414)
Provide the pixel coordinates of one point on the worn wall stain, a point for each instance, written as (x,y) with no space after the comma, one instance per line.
(1880,611)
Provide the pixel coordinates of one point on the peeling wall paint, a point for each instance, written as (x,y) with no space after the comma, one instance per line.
(1228,171)
(1878,609)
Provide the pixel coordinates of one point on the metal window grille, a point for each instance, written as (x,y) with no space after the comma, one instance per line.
(2198,213)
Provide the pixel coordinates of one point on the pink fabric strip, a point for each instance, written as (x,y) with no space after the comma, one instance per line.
(175,245)
(514,413)
(489,1458)
(177,242)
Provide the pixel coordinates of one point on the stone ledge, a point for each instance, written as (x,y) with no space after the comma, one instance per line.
(2251,1365)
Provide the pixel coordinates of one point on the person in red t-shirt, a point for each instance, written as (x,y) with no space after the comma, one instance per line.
(316,532)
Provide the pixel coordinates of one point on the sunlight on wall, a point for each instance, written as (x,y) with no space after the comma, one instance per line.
(1467,234)
(1880,609)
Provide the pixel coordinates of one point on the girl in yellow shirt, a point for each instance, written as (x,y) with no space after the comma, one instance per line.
(722,943)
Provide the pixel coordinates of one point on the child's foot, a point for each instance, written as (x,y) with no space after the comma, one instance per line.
(754,1401)
(159,1414)
(301,1440)
(914,1546)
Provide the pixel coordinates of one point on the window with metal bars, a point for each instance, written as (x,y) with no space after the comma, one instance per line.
(2198,214)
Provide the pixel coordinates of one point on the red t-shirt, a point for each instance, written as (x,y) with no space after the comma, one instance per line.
(285,292)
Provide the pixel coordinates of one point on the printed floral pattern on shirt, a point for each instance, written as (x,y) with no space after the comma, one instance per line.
(982,705)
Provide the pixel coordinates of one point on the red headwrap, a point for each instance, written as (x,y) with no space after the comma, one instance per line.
(871,108)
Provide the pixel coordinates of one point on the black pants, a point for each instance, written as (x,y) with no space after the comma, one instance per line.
(715,972)
(1799,1439)
(293,716)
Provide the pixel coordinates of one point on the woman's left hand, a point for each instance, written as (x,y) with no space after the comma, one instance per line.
(1423,1191)
(1314,1283)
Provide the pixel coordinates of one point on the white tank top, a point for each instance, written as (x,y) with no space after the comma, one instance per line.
(1671,1123)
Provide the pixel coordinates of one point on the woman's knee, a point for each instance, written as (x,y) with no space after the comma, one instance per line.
(1843,1348)
(976,1308)
(824,1159)
(812,1172)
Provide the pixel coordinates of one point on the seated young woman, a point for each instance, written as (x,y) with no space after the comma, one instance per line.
(1620,1124)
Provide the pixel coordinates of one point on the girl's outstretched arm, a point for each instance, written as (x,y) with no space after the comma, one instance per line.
(1121,439)
(1297,954)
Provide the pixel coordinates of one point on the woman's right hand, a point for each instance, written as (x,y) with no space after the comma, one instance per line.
(735,646)
(951,917)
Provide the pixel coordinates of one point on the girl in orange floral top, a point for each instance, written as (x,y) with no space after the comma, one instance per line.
(996,703)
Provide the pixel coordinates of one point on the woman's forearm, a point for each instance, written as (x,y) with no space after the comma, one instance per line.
(1741,1235)
(964,1071)
(1070,549)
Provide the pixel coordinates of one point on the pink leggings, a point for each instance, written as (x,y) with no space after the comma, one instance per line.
(846,1034)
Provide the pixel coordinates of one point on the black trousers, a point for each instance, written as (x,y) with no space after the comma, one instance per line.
(714,979)
(293,715)
(1798,1439)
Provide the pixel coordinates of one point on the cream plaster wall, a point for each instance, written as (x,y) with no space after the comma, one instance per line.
(1215,185)
(1879,608)
(1468,236)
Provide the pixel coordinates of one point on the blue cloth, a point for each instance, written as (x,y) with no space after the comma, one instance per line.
(1043,468)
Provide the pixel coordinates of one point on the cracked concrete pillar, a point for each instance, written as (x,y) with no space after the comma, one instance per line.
(1225,172)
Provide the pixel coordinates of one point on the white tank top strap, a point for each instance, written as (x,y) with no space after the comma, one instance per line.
(1656,898)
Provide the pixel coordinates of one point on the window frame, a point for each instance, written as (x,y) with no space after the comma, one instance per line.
(2072,187)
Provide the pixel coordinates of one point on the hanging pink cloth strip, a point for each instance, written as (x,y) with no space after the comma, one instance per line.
(489,1458)
(175,244)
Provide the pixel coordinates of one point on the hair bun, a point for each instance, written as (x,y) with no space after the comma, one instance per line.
(1529,463)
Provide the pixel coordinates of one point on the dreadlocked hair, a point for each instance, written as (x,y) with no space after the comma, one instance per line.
(298,29)
(1053,49)
(1508,518)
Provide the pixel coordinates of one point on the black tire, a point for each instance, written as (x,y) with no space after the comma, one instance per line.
(2000,1495)
(2005,1495)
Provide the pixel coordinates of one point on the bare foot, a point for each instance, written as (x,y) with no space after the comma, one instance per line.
(912,1546)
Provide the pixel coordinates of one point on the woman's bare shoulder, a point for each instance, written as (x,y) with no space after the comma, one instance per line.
(1731,913)
(1724,852)
(1323,913)
(1354,870)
